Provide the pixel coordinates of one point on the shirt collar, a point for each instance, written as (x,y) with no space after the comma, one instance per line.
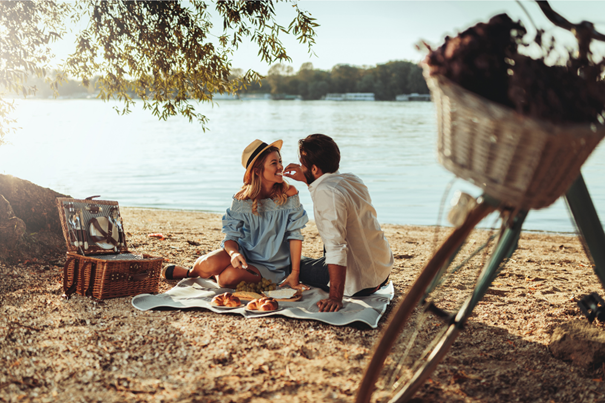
(317,181)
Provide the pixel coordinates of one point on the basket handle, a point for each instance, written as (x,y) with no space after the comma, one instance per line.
(69,290)
(91,281)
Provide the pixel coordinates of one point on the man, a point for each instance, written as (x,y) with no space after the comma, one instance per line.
(357,258)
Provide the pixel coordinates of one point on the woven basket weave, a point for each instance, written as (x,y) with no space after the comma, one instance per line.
(97,277)
(93,270)
(522,161)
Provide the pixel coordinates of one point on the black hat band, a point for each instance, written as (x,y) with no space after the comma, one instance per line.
(255,153)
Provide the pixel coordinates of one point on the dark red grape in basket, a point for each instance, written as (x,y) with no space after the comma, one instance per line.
(485,59)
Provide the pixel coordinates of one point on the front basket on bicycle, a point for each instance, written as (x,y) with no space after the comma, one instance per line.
(519,160)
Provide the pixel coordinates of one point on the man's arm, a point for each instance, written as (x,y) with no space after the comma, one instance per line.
(333,303)
(331,220)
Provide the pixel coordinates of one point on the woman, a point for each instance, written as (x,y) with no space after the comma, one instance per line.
(262,227)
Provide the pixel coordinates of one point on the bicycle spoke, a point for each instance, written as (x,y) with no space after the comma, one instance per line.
(428,325)
(393,361)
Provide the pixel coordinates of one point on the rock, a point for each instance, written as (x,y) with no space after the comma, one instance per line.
(579,342)
(33,204)
(308,352)
(11,226)
(30,227)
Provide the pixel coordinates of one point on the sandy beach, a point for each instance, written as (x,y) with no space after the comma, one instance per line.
(79,349)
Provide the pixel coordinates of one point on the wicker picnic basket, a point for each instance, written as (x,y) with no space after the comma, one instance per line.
(98,263)
(521,161)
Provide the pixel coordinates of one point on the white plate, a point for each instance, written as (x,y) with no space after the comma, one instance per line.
(284,293)
(104,224)
(225,308)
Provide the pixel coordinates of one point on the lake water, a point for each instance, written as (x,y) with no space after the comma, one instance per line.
(84,148)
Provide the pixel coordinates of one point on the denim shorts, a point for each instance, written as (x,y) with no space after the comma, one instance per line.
(314,272)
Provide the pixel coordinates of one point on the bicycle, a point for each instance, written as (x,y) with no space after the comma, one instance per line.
(424,325)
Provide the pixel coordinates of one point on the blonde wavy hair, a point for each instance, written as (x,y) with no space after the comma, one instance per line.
(252,190)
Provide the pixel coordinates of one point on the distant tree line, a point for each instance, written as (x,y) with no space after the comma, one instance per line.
(69,88)
(386,81)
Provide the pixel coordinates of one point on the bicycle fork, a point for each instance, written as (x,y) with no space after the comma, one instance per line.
(589,228)
(504,249)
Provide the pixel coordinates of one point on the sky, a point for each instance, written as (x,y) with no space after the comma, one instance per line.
(366,33)
(375,32)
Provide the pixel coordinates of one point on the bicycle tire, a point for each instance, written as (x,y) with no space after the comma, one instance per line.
(404,311)
(421,375)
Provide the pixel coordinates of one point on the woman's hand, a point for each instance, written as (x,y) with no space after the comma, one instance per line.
(293,282)
(238,261)
(295,172)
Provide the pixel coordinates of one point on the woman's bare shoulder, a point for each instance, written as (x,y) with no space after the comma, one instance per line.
(240,195)
(291,191)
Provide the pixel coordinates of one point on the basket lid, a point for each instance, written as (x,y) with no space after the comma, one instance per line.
(92,227)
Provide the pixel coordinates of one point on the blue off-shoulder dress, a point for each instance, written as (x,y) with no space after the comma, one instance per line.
(264,239)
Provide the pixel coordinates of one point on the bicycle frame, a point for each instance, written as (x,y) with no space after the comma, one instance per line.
(589,228)
(419,295)
(588,224)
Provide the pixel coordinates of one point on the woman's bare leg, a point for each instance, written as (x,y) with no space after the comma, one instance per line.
(211,264)
(217,264)
(231,277)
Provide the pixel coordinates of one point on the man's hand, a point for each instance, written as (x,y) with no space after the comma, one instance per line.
(295,172)
(238,261)
(333,303)
(329,305)
(293,281)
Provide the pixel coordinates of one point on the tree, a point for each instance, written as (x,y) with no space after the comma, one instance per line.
(344,78)
(162,52)
(27,29)
(159,51)
(277,77)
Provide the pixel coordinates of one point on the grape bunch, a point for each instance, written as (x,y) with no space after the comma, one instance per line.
(264,285)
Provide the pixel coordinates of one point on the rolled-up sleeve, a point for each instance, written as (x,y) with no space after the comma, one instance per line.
(331,219)
(297,218)
(233,227)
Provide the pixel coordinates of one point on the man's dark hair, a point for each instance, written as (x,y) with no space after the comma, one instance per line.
(319,150)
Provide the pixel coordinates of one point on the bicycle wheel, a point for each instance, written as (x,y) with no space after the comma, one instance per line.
(426,322)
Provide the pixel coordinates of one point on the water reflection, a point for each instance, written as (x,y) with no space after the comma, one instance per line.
(82,147)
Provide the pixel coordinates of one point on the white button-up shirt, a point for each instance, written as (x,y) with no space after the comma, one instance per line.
(349,229)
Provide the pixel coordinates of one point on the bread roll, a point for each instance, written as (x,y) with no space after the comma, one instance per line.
(227,299)
(218,300)
(232,301)
(263,304)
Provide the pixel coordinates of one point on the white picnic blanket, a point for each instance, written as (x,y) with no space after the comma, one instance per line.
(198,292)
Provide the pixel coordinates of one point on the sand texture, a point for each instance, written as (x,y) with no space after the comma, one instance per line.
(79,349)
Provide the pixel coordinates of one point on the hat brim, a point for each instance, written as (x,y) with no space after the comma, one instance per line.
(277,143)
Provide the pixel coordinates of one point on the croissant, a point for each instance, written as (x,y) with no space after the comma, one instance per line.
(263,304)
(227,299)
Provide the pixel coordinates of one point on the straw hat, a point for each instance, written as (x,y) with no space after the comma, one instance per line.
(252,152)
